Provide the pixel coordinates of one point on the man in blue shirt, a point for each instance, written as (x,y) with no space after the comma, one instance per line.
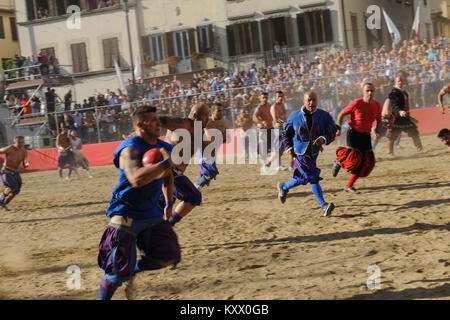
(305,131)
(135,216)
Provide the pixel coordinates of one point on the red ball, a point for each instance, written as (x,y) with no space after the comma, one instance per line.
(153,156)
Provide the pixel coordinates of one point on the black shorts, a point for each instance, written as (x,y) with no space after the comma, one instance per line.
(359,141)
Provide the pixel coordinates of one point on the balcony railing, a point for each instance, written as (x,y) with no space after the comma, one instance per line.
(44,14)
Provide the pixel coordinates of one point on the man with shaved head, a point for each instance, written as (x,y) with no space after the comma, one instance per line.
(208,168)
(184,189)
(304,134)
(401,119)
(445,90)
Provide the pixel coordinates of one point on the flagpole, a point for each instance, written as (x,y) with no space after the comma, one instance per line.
(129,41)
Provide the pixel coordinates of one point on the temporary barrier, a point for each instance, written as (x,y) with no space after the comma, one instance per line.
(101,154)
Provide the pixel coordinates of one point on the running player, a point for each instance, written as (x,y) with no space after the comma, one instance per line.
(135,216)
(184,189)
(305,132)
(208,168)
(15,155)
(358,157)
(445,90)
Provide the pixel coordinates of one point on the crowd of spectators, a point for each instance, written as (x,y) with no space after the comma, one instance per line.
(335,77)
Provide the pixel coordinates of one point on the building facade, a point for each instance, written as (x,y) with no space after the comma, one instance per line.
(440,17)
(9,44)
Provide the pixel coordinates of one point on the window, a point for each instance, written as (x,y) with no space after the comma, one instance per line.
(156,48)
(111,51)
(243,38)
(2,29)
(314,27)
(181,44)
(30,10)
(205,38)
(355,31)
(79,57)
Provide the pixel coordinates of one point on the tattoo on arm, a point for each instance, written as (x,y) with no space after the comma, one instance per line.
(130,160)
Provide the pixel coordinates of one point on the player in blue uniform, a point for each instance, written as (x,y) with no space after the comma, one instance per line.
(304,133)
(135,216)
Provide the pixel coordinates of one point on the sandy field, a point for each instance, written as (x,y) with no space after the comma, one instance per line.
(242,243)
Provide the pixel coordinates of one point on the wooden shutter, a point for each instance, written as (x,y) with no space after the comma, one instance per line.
(146,47)
(30,10)
(288,31)
(12,22)
(301,27)
(267,43)
(76,64)
(255,37)
(192,42)
(115,53)
(355,31)
(92,4)
(83,58)
(211,36)
(2,29)
(168,39)
(107,54)
(111,51)
(79,57)
(231,41)
(328,27)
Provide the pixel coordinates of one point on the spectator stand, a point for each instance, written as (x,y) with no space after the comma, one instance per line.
(29,115)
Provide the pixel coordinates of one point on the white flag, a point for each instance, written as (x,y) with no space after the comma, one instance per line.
(392,28)
(416,24)
(119,75)
(138,68)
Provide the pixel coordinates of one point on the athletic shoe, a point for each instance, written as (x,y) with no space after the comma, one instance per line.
(282,194)
(3,206)
(350,189)
(327,209)
(335,169)
(203,181)
(281,168)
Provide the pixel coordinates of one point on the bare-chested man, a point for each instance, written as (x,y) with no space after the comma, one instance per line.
(184,189)
(279,117)
(208,169)
(15,155)
(65,154)
(244,121)
(445,90)
(264,123)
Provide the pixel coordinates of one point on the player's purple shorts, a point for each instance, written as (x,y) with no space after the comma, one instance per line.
(305,170)
(185,190)
(117,254)
(208,169)
(12,181)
